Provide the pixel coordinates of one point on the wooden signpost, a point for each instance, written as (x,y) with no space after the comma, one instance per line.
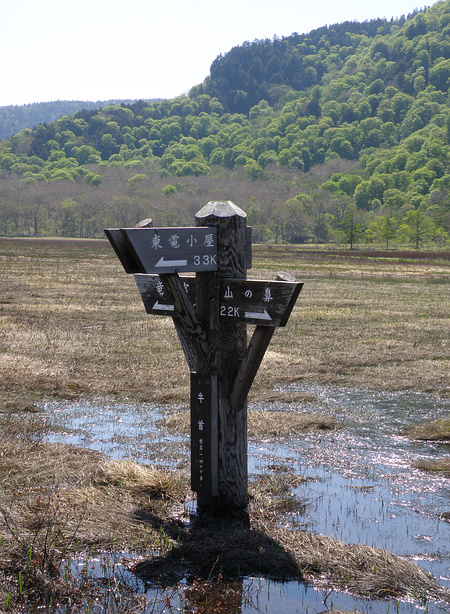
(211,311)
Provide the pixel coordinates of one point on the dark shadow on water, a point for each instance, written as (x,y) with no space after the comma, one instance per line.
(209,548)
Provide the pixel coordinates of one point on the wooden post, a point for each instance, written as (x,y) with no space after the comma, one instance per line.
(225,350)
(210,314)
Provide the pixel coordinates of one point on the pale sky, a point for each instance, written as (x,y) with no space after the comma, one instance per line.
(110,49)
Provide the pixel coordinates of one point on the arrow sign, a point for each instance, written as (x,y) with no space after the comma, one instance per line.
(171,250)
(155,299)
(266,303)
(175,264)
(159,307)
(256,315)
(135,251)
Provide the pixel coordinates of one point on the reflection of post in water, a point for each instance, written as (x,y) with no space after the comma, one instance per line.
(217,596)
(214,556)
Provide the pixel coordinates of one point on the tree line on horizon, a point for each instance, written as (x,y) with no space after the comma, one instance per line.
(340,135)
(14,118)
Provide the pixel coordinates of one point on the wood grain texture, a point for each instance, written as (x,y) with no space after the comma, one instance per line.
(123,251)
(226,347)
(194,332)
(250,365)
(260,342)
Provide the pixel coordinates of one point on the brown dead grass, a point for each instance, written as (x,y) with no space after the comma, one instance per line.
(262,425)
(436,430)
(121,504)
(439,465)
(72,324)
(42,478)
(264,548)
(57,500)
(286,425)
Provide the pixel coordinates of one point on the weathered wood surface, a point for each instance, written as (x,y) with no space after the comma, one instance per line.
(185,312)
(170,250)
(123,251)
(266,303)
(226,348)
(259,343)
(210,313)
(249,366)
(155,297)
(204,434)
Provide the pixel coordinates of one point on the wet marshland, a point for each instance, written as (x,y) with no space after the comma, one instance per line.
(361,485)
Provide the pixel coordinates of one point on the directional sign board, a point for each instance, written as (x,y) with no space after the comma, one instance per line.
(204,433)
(122,241)
(170,250)
(155,298)
(267,303)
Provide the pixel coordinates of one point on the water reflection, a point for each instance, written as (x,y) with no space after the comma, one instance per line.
(361,485)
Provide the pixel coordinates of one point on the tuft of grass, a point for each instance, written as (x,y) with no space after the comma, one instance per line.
(57,500)
(439,465)
(286,424)
(436,430)
(133,476)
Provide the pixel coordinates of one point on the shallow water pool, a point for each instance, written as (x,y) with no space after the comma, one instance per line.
(361,485)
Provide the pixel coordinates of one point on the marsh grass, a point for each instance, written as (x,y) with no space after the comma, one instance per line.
(57,500)
(264,548)
(60,501)
(72,323)
(439,465)
(261,424)
(435,430)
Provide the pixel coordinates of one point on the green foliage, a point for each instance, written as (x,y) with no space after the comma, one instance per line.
(168,190)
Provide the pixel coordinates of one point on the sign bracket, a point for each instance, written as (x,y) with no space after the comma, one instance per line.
(185,312)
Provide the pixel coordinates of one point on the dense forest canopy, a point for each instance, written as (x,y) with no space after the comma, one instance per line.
(341,134)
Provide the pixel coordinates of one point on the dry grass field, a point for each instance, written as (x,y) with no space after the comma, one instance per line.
(72,325)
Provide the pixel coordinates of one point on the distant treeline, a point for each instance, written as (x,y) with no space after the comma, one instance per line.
(14,118)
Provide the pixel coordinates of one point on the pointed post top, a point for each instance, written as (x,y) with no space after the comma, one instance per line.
(224,208)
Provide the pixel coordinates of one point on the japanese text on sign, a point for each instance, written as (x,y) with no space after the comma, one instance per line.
(204,433)
(168,250)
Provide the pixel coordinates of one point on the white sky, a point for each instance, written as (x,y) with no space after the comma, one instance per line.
(106,49)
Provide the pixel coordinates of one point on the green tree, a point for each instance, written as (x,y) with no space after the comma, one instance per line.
(254,170)
(382,229)
(71,225)
(440,75)
(416,227)
(351,226)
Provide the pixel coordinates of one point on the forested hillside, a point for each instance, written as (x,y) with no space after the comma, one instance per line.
(338,135)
